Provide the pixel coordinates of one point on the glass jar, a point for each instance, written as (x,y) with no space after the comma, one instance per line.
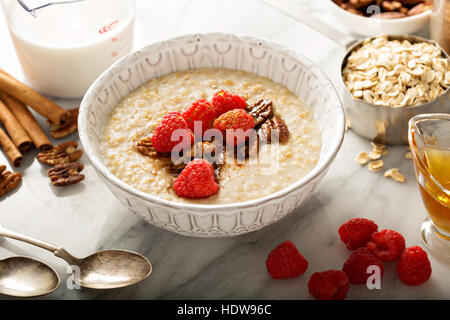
(440,23)
(64,48)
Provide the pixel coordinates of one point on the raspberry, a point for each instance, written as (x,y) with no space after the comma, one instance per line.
(200,110)
(197,180)
(329,285)
(356,232)
(224,101)
(356,265)
(162,137)
(231,121)
(387,245)
(286,262)
(414,268)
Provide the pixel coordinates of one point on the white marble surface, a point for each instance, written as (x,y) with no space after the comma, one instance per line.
(86,217)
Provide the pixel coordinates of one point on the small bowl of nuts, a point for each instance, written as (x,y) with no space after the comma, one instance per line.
(374,17)
(389,79)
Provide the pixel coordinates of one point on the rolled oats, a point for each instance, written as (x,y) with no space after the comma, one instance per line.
(396,73)
(395,174)
(362,158)
(376,165)
(374,155)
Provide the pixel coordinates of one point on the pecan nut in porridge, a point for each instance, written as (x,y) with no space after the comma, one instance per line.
(145,147)
(261,111)
(275,128)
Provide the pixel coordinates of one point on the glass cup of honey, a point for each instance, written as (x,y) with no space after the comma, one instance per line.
(429,140)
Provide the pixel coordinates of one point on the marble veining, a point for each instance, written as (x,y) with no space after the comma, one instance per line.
(87,217)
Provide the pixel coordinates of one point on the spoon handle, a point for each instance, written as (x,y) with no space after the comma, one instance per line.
(57,251)
(291,9)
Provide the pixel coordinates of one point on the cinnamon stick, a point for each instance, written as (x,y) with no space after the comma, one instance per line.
(14,156)
(28,122)
(28,96)
(14,128)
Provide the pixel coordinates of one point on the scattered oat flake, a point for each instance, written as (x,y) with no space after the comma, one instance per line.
(395,174)
(408,156)
(378,146)
(348,124)
(362,158)
(374,155)
(376,165)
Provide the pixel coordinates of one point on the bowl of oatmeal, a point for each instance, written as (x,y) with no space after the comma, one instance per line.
(122,109)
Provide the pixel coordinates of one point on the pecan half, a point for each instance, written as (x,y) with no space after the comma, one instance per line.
(205,150)
(389,15)
(60,131)
(391,5)
(360,3)
(273,129)
(145,147)
(8,180)
(418,9)
(66,174)
(261,111)
(64,153)
(249,149)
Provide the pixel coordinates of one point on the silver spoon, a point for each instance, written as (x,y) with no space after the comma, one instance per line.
(26,277)
(102,270)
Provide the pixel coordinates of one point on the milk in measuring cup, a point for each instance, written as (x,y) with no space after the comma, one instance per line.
(66,47)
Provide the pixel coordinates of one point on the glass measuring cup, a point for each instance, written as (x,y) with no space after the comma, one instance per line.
(429,139)
(63,48)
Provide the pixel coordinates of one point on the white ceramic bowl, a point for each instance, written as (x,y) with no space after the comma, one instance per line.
(266,59)
(372,27)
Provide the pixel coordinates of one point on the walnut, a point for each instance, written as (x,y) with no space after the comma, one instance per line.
(64,153)
(145,147)
(66,174)
(8,180)
(60,131)
(274,127)
(261,111)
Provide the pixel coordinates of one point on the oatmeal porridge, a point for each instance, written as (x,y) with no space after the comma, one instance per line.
(277,166)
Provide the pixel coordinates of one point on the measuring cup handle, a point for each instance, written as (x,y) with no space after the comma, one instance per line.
(293,10)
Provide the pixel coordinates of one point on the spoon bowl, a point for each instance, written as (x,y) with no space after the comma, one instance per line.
(26,277)
(112,269)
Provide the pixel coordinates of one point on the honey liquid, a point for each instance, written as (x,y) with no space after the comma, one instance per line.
(437,198)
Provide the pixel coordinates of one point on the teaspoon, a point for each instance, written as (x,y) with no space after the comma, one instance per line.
(106,269)
(26,277)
